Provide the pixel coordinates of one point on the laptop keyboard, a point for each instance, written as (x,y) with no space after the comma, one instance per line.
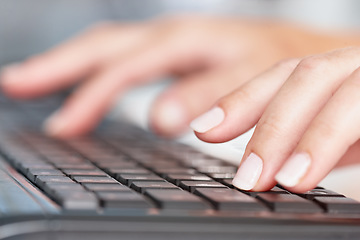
(122,167)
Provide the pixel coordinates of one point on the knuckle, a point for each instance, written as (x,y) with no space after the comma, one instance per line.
(271,127)
(313,65)
(242,95)
(289,63)
(323,128)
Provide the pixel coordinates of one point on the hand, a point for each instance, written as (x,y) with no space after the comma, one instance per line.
(307,116)
(208,54)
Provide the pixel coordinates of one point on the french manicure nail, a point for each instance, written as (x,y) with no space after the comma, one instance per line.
(208,120)
(293,170)
(249,172)
(55,124)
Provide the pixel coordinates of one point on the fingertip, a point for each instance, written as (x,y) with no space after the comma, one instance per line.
(56,126)
(208,120)
(168,118)
(9,77)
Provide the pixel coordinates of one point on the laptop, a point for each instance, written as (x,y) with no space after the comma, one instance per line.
(122,182)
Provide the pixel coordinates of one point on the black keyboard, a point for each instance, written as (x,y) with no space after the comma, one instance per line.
(123,171)
(134,170)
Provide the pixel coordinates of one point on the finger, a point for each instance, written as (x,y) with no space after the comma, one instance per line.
(239,111)
(92,100)
(185,99)
(326,140)
(69,62)
(289,114)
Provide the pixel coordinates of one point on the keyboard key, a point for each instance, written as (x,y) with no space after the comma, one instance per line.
(41,181)
(143,186)
(85,166)
(176,178)
(222,175)
(119,164)
(123,200)
(77,200)
(320,193)
(137,171)
(82,180)
(176,199)
(289,203)
(193,185)
(217,169)
(106,187)
(339,204)
(274,190)
(33,173)
(173,170)
(51,188)
(230,200)
(127,179)
(83,172)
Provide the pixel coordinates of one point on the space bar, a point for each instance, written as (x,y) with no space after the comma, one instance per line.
(13,198)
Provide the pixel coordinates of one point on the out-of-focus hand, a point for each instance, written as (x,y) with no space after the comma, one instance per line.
(211,56)
(307,114)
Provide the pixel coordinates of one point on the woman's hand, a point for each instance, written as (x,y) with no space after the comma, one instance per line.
(212,56)
(307,114)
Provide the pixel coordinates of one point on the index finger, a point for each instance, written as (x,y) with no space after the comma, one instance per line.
(68,63)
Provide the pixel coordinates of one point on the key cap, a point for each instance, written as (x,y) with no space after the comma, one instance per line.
(142,186)
(33,173)
(78,200)
(193,185)
(82,180)
(84,166)
(289,203)
(83,172)
(127,179)
(41,181)
(163,171)
(106,187)
(218,169)
(136,171)
(274,190)
(230,199)
(176,199)
(339,204)
(110,165)
(176,178)
(123,200)
(320,193)
(222,175)
(50,188)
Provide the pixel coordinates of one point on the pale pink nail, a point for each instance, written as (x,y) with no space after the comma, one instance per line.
(208,120)
(293,170)
(249,172)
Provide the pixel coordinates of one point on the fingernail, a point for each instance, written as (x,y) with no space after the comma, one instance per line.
(55,124)
(249,172)
(293,170)
(9,73)
(208,120)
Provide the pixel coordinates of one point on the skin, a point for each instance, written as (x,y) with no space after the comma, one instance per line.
(216,55)
(302,106)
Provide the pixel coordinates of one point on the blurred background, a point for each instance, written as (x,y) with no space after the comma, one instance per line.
(30,27)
